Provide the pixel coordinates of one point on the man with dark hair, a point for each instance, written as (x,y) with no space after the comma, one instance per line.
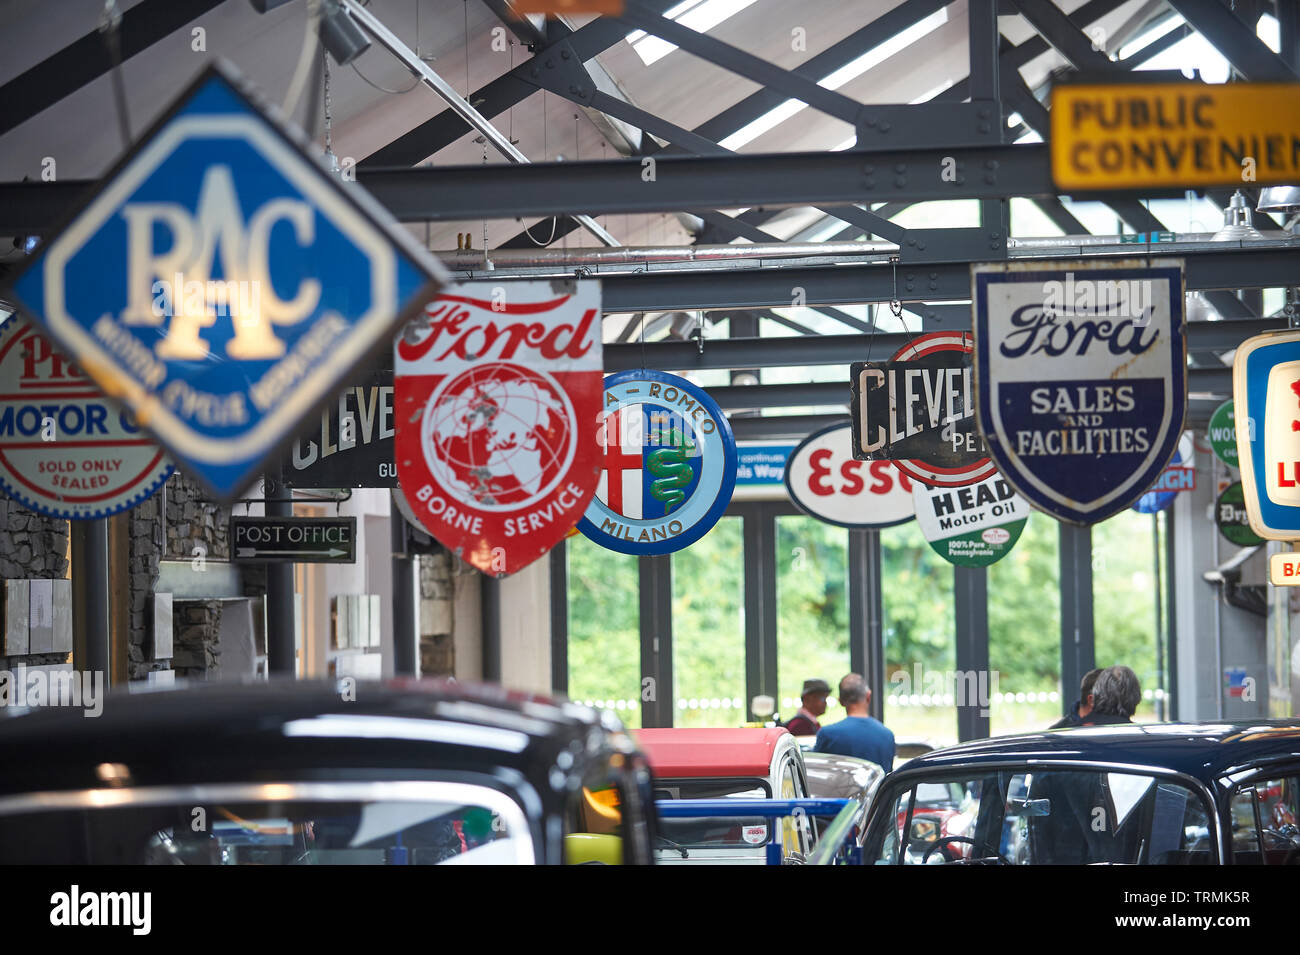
(1082,706)
(804,723)
(857,734)
(1115,697)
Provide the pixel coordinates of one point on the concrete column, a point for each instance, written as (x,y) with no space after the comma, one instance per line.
(1213,636)
(525,622)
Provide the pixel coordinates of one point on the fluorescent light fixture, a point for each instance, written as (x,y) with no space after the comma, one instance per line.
(699,15)
(833,81)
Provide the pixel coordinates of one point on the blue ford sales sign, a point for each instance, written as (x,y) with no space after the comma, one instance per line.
(1080,379)
(1266,400)
(221,282)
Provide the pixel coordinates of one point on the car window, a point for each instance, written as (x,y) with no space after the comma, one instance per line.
(720,832)
(1264,817)
(1048,817)
(306,824)
(796,834)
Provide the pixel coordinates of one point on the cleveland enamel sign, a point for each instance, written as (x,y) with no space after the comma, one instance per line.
(1080,379)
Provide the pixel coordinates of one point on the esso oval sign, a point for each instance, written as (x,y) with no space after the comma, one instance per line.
(825,481)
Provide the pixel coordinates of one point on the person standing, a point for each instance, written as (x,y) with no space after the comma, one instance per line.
(1082,706)
(858,734)
(804,723)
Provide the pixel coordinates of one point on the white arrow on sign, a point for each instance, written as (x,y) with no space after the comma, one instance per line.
(254,552)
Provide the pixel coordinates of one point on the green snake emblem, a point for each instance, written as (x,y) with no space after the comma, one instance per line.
(671,470)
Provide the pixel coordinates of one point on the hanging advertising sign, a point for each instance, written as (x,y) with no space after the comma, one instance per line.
(1284,569)
(497,393)
(918,410)
(971,526)
(221,282)
(294,540)
(65,450)
(1080,379)
(668,464)
(353,445)
(825,481)
(1111,136)
(760,471)
(1230,516)
(1222,433)
(1266,390)
(1180,475)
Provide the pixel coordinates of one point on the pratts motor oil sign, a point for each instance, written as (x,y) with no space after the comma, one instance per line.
(1080,379)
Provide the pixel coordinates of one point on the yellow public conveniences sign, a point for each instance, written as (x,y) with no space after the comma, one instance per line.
(1181,135)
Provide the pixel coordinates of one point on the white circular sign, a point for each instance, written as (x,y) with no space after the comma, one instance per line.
(827,482)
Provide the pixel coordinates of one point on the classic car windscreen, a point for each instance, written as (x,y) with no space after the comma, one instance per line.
(1045,817)
(272,832)
(720,832)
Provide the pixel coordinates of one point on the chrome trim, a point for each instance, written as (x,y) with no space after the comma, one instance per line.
(202,793)
(920,772)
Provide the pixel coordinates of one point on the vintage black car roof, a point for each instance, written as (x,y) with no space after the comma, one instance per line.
(1204,751)
(304,729)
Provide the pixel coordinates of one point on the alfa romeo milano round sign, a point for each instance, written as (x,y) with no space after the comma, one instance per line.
(64,449)
(668,464)
(496,398)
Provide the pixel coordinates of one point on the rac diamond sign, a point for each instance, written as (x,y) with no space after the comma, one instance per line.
(221,283)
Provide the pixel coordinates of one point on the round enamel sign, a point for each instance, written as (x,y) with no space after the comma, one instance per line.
(825,481)
(65,450)
(668,464)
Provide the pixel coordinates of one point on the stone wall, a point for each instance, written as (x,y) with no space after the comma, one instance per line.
(197,634)
(32,547)
(193,523)
(437,648)
(146,543)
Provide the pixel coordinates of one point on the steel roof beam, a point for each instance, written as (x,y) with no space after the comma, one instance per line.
(771,352)
(1238,43)
(84,61)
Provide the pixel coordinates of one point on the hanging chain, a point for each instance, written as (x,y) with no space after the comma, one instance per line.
(896,303)
(329,139)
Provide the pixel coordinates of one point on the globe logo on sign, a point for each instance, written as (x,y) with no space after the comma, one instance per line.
(499,435)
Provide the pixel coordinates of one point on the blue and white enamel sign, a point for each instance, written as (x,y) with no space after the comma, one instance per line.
(668,464)
(1080,379)
(220,283)
(1266,401)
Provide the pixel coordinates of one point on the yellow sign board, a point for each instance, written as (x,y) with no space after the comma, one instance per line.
(1179,135)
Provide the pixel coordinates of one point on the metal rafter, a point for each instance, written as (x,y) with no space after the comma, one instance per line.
(1239,45)
(84,61)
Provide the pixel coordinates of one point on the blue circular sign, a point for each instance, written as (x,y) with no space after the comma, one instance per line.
(668,464)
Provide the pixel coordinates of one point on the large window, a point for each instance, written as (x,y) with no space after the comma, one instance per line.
(1124,556)
(709,628)
(812,608)
(604,629)
(1025,632)
(920,638)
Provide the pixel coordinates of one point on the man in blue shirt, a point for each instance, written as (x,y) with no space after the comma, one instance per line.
(857,734)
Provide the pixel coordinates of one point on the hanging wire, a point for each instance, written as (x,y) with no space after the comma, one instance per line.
(555,220)
(306,57)
(109,27)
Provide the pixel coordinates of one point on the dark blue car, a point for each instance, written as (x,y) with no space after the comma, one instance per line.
(1153,794)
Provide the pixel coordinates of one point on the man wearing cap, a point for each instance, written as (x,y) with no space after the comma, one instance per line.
(804,723)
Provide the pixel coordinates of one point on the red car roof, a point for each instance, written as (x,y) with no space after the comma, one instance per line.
(693,753)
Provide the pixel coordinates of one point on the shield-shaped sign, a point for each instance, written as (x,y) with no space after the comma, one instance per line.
(496,394)
(221,282)
(1266,396)
(1080,379)
(917,410)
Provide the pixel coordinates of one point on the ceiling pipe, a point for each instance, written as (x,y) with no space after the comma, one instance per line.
(475,260)
(459,105)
